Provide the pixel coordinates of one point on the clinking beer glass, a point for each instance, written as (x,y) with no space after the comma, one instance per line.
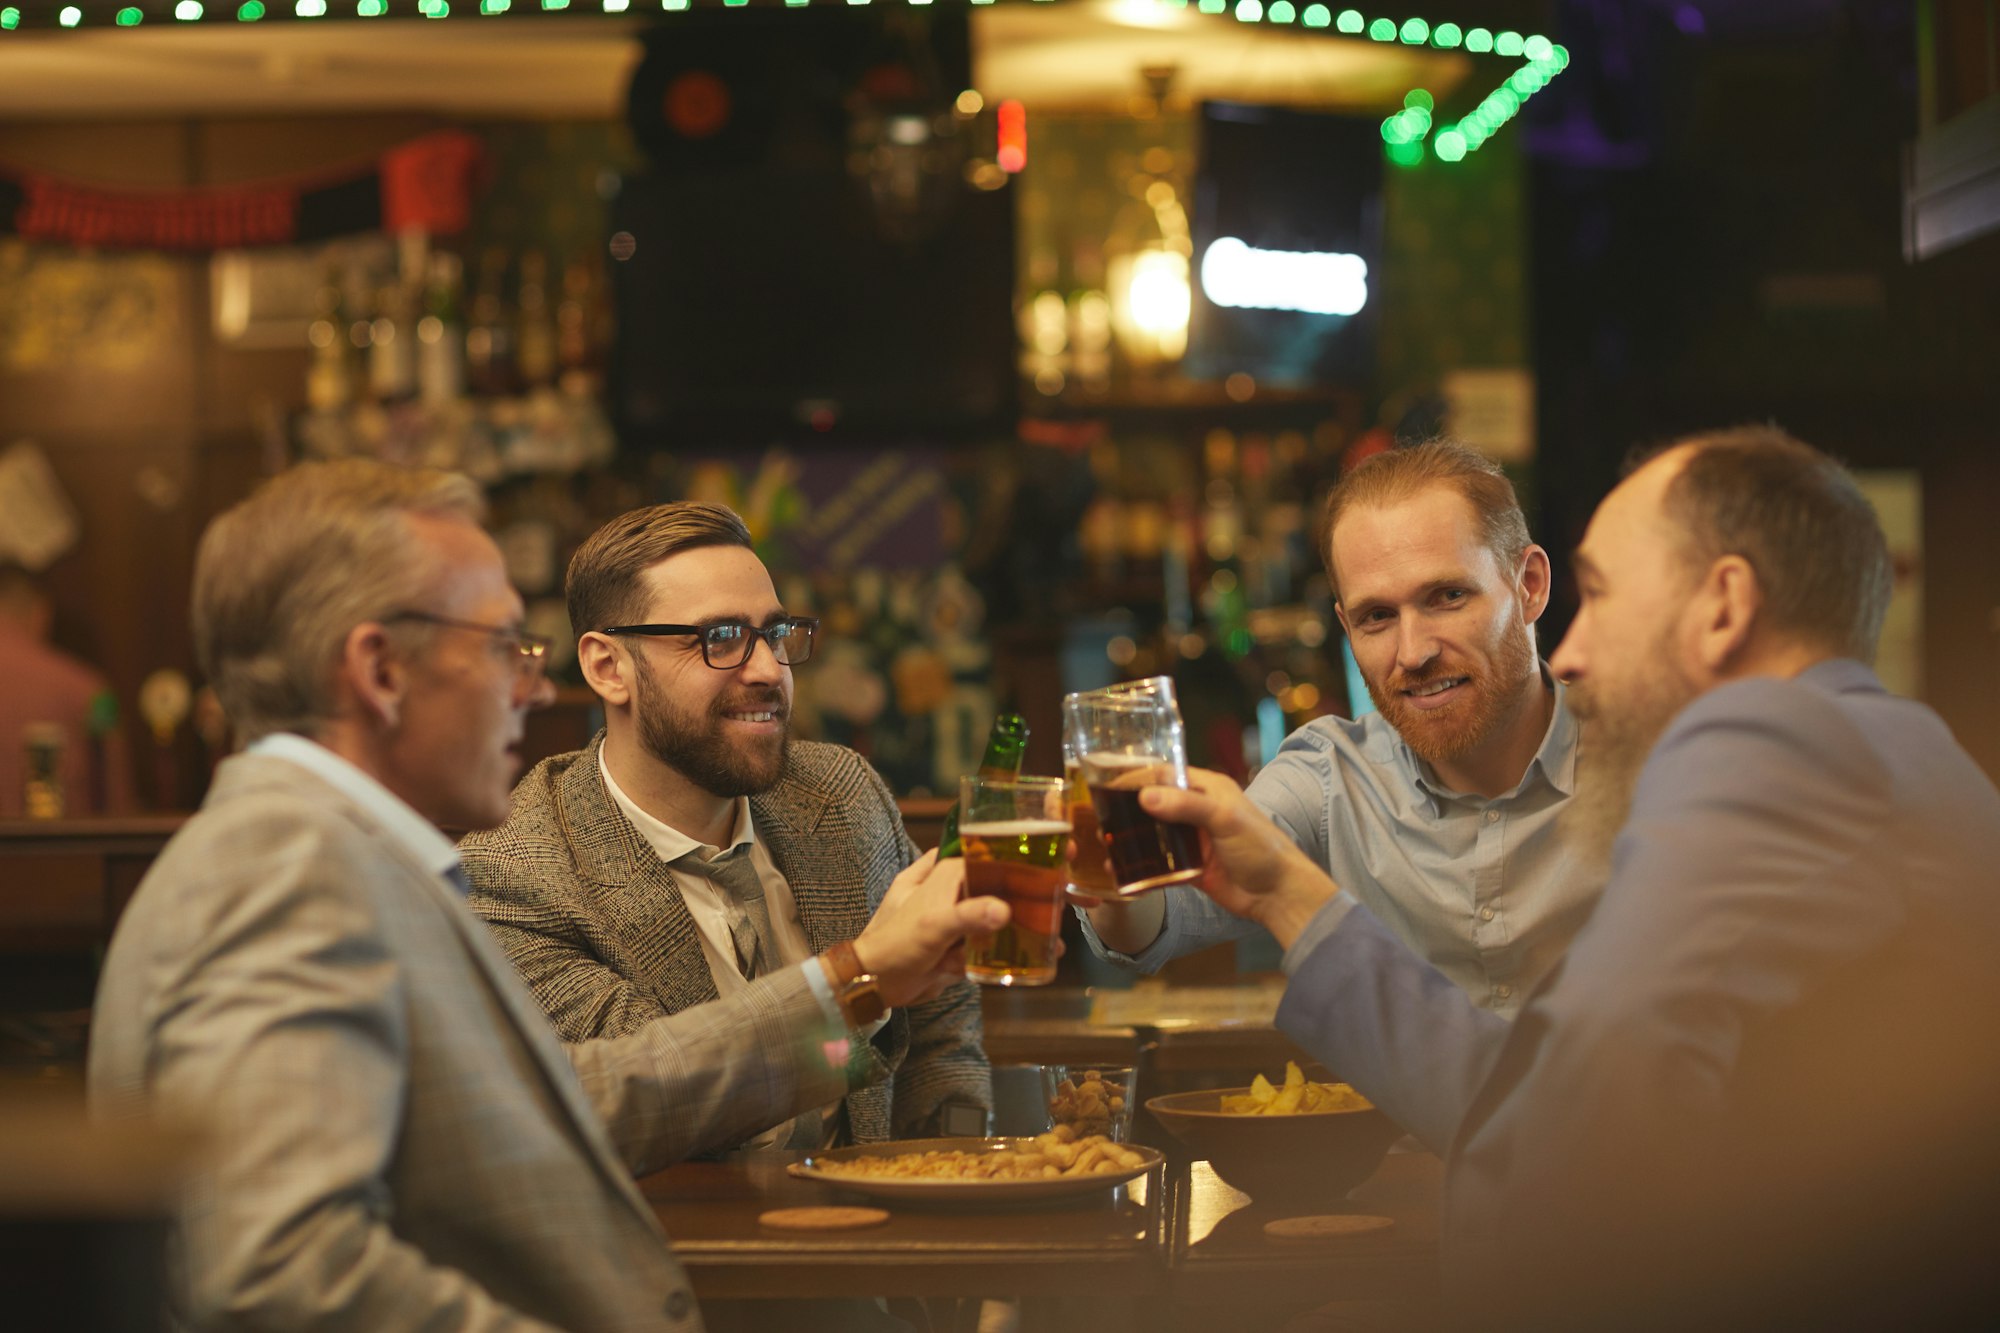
(1014,833)
(1124,739)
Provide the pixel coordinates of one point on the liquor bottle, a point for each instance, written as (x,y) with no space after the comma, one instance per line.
(489,342)
(535,325)
(441,333)
(1006,744)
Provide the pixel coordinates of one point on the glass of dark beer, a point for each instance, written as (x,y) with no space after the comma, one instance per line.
(1126,738)
(1090,868)
(1015,833)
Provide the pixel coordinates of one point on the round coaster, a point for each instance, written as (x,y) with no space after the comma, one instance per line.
(823,1219)
(1327,1226)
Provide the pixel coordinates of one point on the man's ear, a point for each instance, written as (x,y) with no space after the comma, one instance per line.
(1533,583)
(373,673)
(605,669)
(1723,613)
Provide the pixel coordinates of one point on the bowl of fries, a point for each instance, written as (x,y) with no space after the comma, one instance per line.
(1295,1140)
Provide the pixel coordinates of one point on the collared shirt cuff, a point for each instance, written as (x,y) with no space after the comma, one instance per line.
(1149,959)
(1324,923)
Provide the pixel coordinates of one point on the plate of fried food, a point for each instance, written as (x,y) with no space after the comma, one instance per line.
(1060,1164)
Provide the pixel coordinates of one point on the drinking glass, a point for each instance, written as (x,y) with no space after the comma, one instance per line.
(1126,738)
(1014,832)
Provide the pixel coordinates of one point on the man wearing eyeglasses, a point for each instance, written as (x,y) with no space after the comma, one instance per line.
(392,1136)
(694,847)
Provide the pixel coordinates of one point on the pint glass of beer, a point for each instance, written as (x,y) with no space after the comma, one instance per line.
(1015,832)
(1090,868)
(1126,738)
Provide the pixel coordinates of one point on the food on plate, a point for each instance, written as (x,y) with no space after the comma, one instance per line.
(1060,1153)
(1089,1103)
(1295,1098)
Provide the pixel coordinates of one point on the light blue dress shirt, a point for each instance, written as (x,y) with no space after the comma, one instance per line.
(1489,892)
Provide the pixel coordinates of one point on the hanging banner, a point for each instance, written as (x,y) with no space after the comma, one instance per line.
(427,184)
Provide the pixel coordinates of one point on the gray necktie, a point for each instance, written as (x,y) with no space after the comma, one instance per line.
(750,918)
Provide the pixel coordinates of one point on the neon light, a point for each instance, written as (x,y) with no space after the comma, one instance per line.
(1012,153)
(1237,276)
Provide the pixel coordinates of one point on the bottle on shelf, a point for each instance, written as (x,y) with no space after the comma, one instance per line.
(441,332)
(489,339)
(1006,746)
(534,324)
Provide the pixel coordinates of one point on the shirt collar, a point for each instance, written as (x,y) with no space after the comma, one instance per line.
(1554,761)
(399,821)
(664,838)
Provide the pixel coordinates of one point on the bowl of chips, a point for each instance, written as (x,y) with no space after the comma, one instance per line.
(1298,1140)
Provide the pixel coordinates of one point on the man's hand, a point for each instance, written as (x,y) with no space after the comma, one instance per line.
(1252,869)
(914,944)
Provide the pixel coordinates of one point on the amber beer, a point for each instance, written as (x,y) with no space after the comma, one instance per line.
(1015,836)
(1145,853)
(1089,870)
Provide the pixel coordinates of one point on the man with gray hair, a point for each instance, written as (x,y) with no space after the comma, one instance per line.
(394,1136)
(1760,1092)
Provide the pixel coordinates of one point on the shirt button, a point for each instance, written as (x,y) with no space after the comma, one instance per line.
(1492,816)
(1503,991)
(1485,914)
(678,1306)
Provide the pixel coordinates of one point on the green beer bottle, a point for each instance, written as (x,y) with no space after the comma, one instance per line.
(1005,746)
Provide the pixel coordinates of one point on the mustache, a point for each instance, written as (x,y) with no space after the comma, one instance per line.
(1431,673)
(757,701)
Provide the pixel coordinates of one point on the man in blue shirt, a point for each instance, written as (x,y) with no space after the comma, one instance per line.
(1760,1091)
(1447,810)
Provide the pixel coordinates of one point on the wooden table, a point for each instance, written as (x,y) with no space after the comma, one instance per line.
(1220,1258)
(1180,1249)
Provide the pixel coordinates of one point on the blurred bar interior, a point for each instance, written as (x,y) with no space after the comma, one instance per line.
(1025,335)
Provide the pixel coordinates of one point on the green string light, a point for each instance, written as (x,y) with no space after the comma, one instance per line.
(1383,30)
(375,9)
(797,4)
(310,9)
(1406,154)
(188,11)
(10,18)
(616,6)
(70,17)
(1508,44)
(1281,12)
(1420,97)
(1317,16)
(129,17)
(495,6)
(1450,146)
(1537,48)
(1350,21)
(1212,6)
(249,11)
(1447,36)
(1249,11)
(1479,41)
(1415,32)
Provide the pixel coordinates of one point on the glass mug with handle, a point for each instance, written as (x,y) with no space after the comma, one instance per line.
(1014,835)
(1090,868)
(1127,738)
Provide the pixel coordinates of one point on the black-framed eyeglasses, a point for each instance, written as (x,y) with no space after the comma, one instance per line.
(728,644)
(530,651)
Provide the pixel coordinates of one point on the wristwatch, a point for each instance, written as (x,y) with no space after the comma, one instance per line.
(857,992)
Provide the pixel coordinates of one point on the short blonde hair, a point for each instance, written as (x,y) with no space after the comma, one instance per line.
(1403,474)
(281,579)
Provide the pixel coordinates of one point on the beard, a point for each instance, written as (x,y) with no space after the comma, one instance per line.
(1494,691)
(695,746)
(1618,736)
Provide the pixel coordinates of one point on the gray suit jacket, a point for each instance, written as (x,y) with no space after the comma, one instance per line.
(594,921)
(397,1140)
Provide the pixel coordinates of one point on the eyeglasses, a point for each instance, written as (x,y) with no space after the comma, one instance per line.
(530,652)
(728,645)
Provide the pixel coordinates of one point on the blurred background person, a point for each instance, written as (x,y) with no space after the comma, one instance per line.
(58,716)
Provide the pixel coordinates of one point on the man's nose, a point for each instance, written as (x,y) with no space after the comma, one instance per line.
(540,693)
(762,665)
(1415,643)
(1567,660)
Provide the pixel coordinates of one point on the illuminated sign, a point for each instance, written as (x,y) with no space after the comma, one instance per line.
(1237,275)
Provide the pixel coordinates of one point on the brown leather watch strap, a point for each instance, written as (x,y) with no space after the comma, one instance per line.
(846,963)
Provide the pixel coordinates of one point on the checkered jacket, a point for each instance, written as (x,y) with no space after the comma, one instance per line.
(595,922)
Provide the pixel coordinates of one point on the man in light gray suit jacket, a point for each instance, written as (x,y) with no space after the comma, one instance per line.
(1760,1091)
(617,883)
(395,1138)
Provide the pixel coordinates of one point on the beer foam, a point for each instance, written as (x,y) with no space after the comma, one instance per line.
(1109,763)
(1015,828)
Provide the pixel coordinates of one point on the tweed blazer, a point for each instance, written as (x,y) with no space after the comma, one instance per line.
(596,924)
(397,1138)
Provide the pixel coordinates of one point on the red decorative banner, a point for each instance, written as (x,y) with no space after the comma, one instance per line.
(428,183)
